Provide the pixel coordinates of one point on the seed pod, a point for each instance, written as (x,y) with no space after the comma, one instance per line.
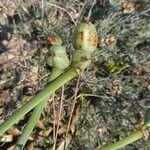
(54,40)
(57,57)
(85,37)
(81,59)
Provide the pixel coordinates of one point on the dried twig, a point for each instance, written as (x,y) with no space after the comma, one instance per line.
(63,9)
(59,116)
(54,111)
(73,106)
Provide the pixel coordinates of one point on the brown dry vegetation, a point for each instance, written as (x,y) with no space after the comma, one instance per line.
(113,93)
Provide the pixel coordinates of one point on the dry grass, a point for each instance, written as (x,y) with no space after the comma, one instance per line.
(113,92)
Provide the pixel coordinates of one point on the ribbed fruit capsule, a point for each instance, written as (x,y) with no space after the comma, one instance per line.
(57,57)
(81,59)
(54,40)
(85,37)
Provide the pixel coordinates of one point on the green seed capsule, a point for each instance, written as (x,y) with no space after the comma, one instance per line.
(54,40)
(81,59)
(85,37)
(57,57)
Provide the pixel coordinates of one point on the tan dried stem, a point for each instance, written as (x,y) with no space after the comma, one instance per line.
(54,115)
(59,115)
(63,9)
(72,109)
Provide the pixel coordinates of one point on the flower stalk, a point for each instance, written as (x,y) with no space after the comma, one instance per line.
(51,87)
(35,114)
(59,55)
(56,57)
(119,144)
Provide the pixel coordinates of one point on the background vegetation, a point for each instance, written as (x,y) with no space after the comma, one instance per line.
(112,94)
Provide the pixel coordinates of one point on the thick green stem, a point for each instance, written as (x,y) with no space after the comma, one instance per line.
(119,144)
(35,114)
(30,125)
(41,96)
(54,74)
